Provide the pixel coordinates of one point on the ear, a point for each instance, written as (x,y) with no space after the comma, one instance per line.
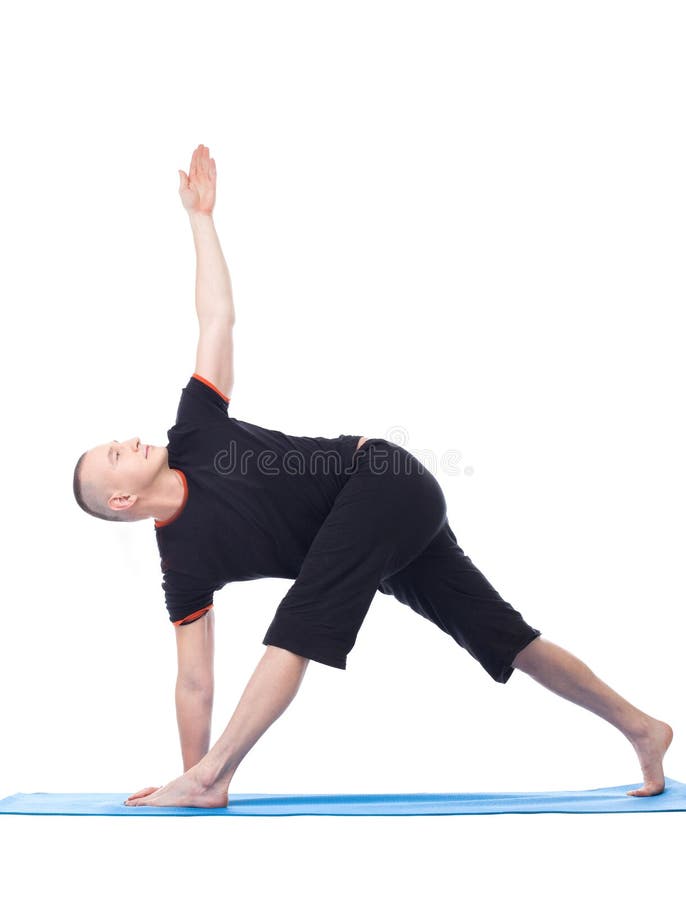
(118,502)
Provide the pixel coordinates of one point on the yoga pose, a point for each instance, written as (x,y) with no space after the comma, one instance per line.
(342,517)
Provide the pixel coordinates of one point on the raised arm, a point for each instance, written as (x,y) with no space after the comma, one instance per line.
(213,294)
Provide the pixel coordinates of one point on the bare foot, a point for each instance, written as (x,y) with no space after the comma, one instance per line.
(184,791)
(651,746)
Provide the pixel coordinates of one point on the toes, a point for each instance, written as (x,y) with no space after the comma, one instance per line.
(646,791)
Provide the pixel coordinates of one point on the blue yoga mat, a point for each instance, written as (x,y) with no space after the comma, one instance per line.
(599,800)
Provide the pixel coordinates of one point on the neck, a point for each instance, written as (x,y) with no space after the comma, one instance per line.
(165,496)
(171,495)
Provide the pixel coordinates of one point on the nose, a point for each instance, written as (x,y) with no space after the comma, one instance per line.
(135,443)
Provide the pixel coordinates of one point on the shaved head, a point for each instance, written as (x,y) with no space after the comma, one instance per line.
(90,495)
(115,481)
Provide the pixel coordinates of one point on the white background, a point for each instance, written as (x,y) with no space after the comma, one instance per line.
(461,220)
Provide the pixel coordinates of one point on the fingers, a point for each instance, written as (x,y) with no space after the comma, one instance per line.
(193,169)
(201,164)
(143,793)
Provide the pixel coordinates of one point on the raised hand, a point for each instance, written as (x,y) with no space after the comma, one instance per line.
(198,189)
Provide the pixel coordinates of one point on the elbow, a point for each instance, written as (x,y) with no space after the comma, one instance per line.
(196,685)
(217,321)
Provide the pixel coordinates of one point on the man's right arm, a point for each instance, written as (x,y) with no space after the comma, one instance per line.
(195,687)
(194,717)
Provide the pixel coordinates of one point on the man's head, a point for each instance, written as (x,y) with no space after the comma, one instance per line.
(114,481)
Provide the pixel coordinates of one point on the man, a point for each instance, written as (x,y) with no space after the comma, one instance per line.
(342,517)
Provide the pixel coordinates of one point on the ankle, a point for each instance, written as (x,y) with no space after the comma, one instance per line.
(641,727)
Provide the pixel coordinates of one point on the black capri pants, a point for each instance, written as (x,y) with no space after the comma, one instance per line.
(388,531)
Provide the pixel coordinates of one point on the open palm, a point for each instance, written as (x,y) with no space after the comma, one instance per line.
(198,189)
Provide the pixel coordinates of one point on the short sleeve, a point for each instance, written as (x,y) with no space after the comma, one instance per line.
(183,610)
(185,599)
(193,616)
(201,403)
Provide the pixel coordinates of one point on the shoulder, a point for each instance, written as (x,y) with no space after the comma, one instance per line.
(202,402)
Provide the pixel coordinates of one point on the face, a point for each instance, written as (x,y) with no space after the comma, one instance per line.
(124,469)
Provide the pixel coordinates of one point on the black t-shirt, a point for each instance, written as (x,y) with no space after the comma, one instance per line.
(254,499)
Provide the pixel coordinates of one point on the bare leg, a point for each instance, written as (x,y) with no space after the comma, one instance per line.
(565,675)
(272,686)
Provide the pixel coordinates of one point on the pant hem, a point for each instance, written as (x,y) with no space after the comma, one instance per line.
(301,649)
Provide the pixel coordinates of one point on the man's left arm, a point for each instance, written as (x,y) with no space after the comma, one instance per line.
(213,294)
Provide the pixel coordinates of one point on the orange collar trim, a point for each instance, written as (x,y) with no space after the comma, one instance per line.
(159,523)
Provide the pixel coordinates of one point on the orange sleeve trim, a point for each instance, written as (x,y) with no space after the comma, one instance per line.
(210,385)
(159,523)
(192,616)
